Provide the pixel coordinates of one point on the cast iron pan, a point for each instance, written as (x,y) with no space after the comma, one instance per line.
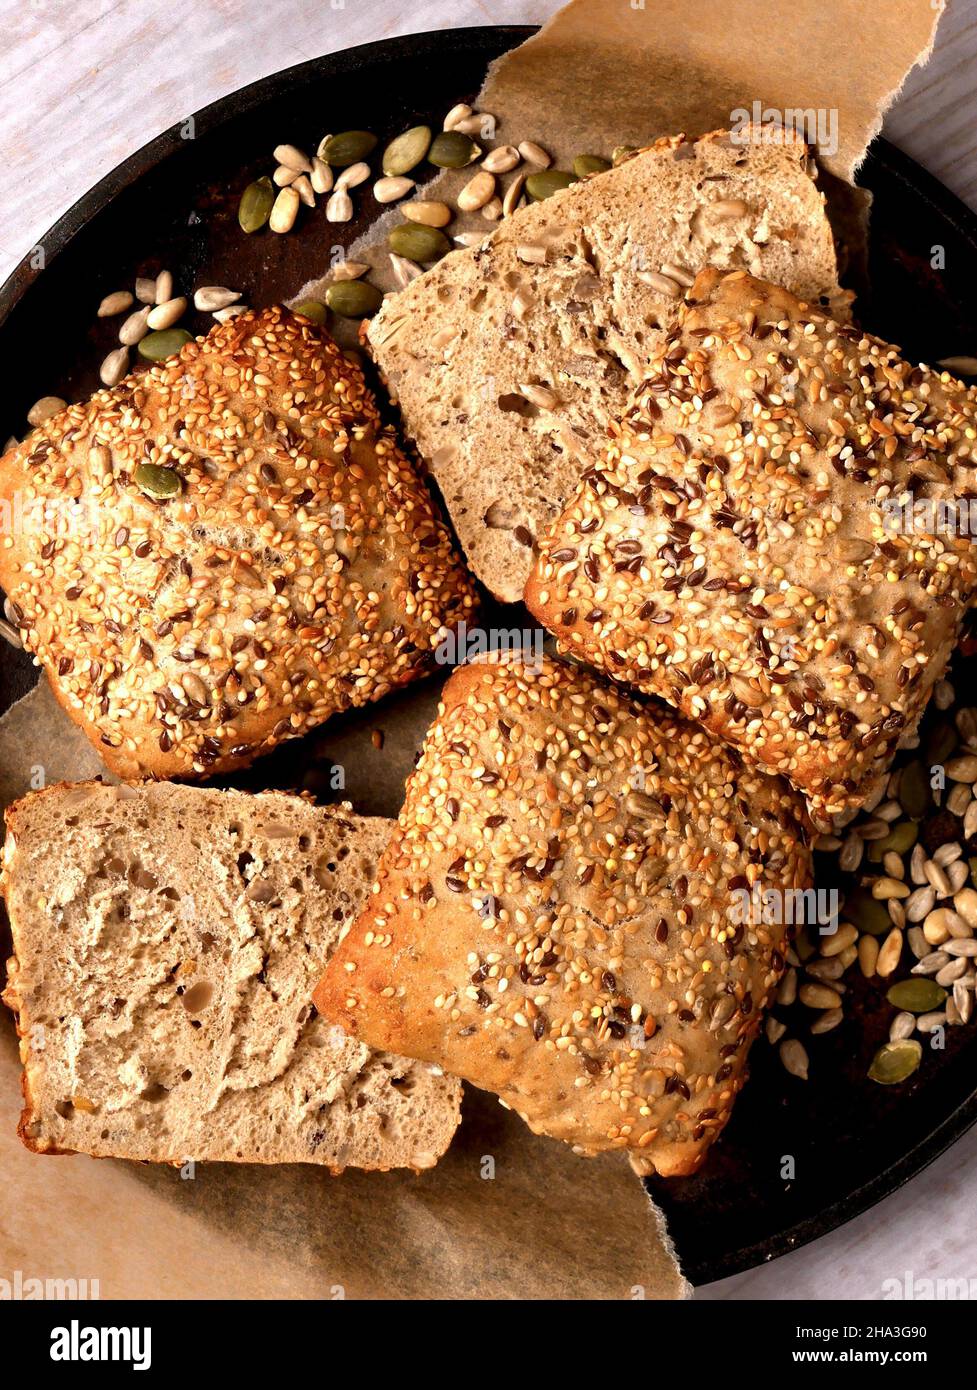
(174,204)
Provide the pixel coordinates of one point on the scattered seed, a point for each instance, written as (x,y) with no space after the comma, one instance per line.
(794,1057)
(293,158)
(253,210)
(535,154)
(164,287)
(349,147)
(895,1061)
(321,177)
(928,1023)
(965,946)
(585,164)
(114,367)
(404,271)
(284,177)
(845,936)
(168,313)
(918,996)
(492,210)
(883,888)
(418,243)
(951,972)
(818,996)
(868,955)
(965,366)
(211,297)
(902,1026)
(540,396)
(867,912)
(461,112)
(313,310)
(963,769)
(305,190)
(354,175)
(428,214)
(501,160)
(146,290)
(406,151)
(826,969)
(890,953)
(353,299)
(937,878)
(893,865)
(827,1020)
(285,211)
(513,195)
(931,963)
(116,303)
(339,207)
(231,312)
(388,190)
(662,283)
(787,989)
(477,192)
(451,149)
(964,1000)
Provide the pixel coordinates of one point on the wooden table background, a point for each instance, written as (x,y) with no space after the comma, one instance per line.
(86,82)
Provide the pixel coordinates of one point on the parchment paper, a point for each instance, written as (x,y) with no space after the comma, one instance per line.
(505,1215)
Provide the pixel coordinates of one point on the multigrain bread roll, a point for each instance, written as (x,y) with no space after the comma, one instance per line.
(167,940)
(757,545)
(563,914)
(222,552)
(510,359)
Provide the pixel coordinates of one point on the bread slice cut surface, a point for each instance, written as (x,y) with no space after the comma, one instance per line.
(167,940)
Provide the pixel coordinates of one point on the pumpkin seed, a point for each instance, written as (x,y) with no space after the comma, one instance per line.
(406,151)
(156,482)
(450,149)
(900,839)
(622,152)
(914,790)
(916,996)
(313,310)
(418,243)
(895,1061)
(353,299)
(348,147)
(868,913)
(940,744)
(548,182)
(164,343)
(428,214)
(256,204)
(585,164)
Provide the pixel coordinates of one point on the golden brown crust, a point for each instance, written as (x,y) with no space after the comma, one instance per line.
(554,917)
(730,552)
(300,569)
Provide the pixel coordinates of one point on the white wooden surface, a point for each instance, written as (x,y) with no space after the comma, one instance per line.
(86,82)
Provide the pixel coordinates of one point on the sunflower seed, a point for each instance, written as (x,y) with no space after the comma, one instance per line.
(958,874)
(897,913)
(827,844)
(114,367)
(868,955)
(787,989)
(404,270)
(918,944)
(819,996)
(902,1026)
(461,112)
(339,207)
(826,969)
(890,953)
(964,1000)
(794,1057)
(535,154)
(211,297)
(931,963)
(305,190)
(116,303)
(920,903)
(827,1020)
(388,190)
(963,947)
(963,769)
(513,195)
(354,175)
(889,811)
(165,315)
(231,312)
(349,270)
(917,862)
(872,829)
(492,210)
(472,238)
(146,290)
(928,1023)
(966,366)
(44,409)
(539,395)
(965,904)
(893,865)
(937,878)
(477,192)
(679,274)
(501,160)
(662,283)
(950,972)
(952,1013)
(774,1029)
(959,799)
(725,209)
(284,177)
(845,936)
(965,721)
(883,888)
(164,287)
(293,158)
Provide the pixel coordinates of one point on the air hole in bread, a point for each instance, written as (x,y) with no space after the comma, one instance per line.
(244,862)
(154,1093)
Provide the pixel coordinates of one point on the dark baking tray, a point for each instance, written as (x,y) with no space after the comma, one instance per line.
(174,203)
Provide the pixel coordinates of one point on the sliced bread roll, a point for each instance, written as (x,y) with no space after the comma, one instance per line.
(510,359)
(167,940)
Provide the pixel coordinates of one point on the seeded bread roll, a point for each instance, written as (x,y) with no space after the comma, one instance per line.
(221,552)
(167,941)
(737,553)
(510,359)
(559,916)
